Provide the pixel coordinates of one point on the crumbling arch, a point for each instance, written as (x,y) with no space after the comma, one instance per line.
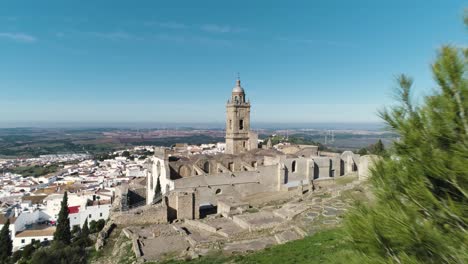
(185,171)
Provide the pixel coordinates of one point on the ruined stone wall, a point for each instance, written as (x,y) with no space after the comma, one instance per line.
(159,168)
(209,187)
(366,163)
(149,214)
(297,169)
(253,140)
(322,167)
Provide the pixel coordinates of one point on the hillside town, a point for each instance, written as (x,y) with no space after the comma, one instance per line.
(32,202)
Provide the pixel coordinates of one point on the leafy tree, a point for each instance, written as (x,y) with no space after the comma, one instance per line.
(126,154)
(96,226)
(6,245)
(420,211)
(363,151)
(62,233)
(60,254)
(76,230)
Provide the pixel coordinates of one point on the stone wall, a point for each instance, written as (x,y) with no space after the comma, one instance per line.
(182,205)
(366,163)
(149,214)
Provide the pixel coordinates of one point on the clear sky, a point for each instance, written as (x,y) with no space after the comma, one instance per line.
(177,61)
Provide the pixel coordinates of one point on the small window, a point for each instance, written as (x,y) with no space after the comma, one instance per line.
(230,124)
(241,124)
(33,240)
(218,191)
(231,166)
(100,214)
(46,239)
(293,166)
(23,241)
(243,144)
(89,215)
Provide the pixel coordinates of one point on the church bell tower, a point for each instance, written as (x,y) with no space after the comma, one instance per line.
(237,121)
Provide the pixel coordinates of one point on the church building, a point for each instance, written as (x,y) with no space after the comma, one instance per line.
(239,138)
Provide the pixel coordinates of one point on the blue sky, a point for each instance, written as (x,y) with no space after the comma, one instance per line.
(176,61)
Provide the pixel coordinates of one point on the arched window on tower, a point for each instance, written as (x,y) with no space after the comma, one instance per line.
(241,124)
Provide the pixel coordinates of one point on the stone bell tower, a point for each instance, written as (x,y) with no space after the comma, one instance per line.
(237,121)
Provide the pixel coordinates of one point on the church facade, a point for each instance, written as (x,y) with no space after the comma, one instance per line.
(192,182)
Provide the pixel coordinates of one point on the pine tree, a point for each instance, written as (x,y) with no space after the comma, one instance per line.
(6,245)
(85,229)
(420,211)
(378,148)
(63,233)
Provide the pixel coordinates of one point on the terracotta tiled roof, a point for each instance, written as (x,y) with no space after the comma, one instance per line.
(47,231)
(3,219)
(73,209)
(35,199)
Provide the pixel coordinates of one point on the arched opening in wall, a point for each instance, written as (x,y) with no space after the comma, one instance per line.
(236,99)
(254,164)
(293,166)
(230,123)
(206,167)
(184,171)
(151,182)
(158,169)
(316,171)
(231,166)
(342,167)
(286,175)
(243,144)
(218,191)
(332,171)
(241,124)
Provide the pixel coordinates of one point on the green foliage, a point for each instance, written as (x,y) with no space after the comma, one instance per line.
(6,245)
(35,171)
(96,226)
(76,230)
(61,254)
(363,152)
(420,213)
(85,229)
(377,149)
(324,247)
(300,140)
(62,233)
